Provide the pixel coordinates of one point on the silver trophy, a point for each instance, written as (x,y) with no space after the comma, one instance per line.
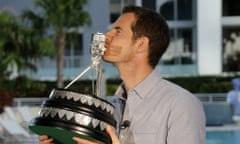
(67,113)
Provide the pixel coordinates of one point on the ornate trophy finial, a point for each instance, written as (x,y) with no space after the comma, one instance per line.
(97,48)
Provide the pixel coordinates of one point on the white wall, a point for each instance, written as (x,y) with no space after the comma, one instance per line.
(209,36)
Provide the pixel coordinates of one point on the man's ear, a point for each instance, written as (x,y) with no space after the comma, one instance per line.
(142,44)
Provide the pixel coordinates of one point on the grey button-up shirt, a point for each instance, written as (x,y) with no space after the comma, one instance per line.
(160,112)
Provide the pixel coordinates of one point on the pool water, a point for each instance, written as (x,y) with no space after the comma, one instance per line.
(223,137)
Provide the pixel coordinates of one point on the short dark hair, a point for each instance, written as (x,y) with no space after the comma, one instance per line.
(152,25)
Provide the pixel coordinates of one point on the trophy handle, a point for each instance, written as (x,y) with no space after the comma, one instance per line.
(78,77)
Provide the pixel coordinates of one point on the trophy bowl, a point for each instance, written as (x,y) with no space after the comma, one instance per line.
(68,113)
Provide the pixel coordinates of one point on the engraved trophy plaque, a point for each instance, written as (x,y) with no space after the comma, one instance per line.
(68,113)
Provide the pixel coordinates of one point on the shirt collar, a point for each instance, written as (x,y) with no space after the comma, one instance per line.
(121,92)
(143,88)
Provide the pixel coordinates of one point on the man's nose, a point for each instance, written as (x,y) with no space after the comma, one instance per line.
(108,36)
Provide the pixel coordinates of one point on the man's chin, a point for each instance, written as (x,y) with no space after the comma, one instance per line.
(108,60)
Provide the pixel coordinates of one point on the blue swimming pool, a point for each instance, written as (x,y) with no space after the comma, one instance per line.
(223,137)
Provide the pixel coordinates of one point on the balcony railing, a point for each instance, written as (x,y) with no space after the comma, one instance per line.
(212,97)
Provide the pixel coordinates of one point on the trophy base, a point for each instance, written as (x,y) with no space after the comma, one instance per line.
(64,136)
(59,135)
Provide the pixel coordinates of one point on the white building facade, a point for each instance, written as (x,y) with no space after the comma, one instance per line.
(205,37)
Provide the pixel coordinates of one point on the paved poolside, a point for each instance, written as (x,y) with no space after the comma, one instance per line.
(226,127)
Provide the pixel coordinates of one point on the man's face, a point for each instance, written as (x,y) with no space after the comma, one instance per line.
(119,40)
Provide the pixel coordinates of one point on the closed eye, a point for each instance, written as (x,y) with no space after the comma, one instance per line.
(118,29)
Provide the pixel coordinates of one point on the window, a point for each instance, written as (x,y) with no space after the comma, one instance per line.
(231,35)
(180,57)
(73,50)
(184,53)
(231,49)
(176,9)
(231,8)
(74,44)
(116,8)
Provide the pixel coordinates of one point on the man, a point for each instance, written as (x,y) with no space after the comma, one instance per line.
(233,97)
(155,111)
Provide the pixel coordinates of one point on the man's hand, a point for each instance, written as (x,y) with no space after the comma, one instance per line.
(109,130)
(44,139)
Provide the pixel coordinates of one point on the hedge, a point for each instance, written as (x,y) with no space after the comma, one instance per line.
(24,87)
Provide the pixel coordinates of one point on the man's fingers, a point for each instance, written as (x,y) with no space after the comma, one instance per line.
(44,139)
(109,130)
(83,141)
(112,134)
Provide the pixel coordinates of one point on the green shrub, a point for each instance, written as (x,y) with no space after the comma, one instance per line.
(25,87)
(204,84)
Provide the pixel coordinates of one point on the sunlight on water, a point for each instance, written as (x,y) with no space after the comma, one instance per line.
(223,137)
